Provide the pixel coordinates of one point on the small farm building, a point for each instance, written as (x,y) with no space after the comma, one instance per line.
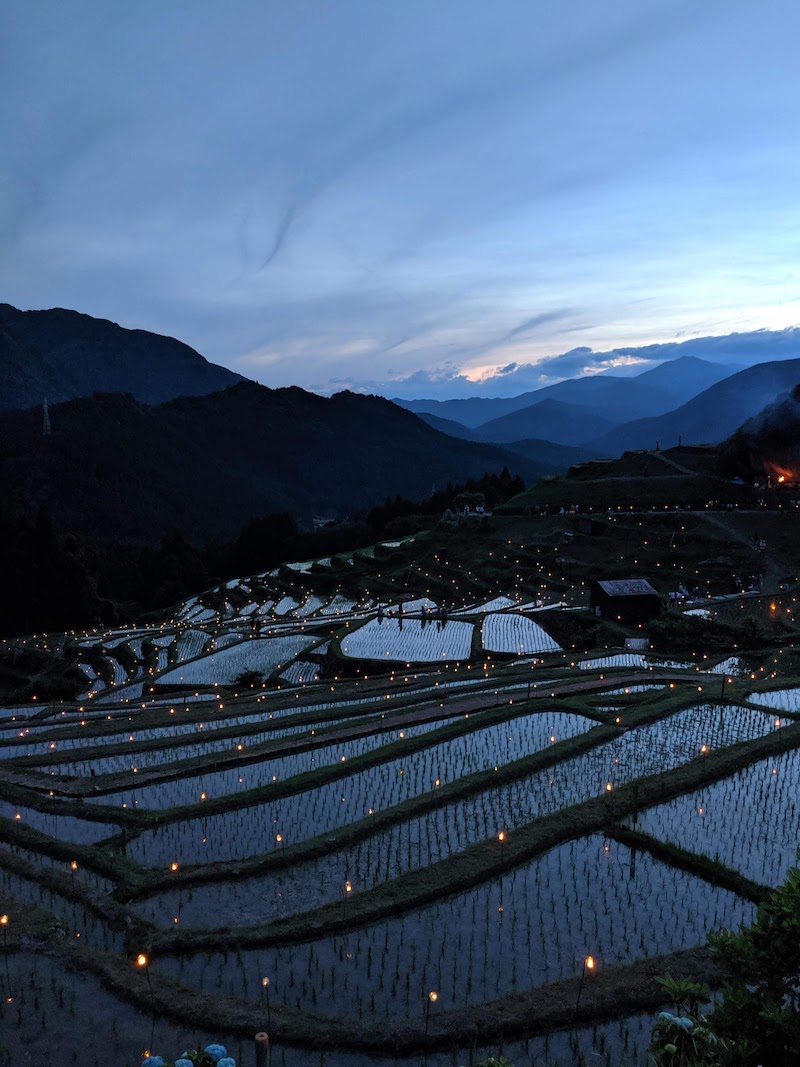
(590,527)
(630,600)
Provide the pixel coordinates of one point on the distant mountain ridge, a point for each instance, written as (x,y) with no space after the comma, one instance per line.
(549,420)
(62,355)
(115,468)
(616,399)
(711,416)
(255,449)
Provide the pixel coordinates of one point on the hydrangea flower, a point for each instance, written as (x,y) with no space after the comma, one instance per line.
(217,1052)
(183,1062)
(153,1061)
(226,1061)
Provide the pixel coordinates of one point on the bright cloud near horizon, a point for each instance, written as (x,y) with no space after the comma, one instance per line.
(407,198)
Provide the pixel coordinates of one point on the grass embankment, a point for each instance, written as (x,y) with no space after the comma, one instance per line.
(22,789)
(68,888)
(107,862)
(133,881)
(611,993)
(409,713)
(75,724)
(484,860)
(341,705)
(475,718)
(703,866)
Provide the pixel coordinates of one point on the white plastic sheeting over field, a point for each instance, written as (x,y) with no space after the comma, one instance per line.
(624,659)
(262,654)
(190,644)
(500,603)
(414,643)
(314,603)
(340,605)
(285,605)
(301,671)
(517,634)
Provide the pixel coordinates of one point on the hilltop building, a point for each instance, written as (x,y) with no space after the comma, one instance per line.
(629,600)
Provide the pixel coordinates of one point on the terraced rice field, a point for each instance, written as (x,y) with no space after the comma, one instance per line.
(362,841)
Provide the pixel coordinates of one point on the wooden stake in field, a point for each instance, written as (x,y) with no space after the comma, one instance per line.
(588,965)
(4,924)
(262,1049)
(143,961)
(265,994)
(432,997)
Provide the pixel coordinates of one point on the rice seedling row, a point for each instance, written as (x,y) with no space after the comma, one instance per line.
(197,786)
(761,842)
(420,841)
(63,827)
(239,833)
(541,921)
(780,699)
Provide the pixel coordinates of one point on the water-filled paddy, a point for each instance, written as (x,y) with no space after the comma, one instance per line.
(244,832)
(750,821)
(555,911)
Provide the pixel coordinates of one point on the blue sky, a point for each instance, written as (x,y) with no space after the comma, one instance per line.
(404,197)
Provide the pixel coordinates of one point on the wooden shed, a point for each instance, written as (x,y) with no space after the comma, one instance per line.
(584,524)
(629,600)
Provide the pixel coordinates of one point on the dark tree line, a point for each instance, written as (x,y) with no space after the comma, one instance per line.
(57,582)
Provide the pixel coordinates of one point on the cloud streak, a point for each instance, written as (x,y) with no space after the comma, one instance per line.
(383,194)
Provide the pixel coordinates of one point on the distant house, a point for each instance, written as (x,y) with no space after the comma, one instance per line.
(630,600)
(590,527)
